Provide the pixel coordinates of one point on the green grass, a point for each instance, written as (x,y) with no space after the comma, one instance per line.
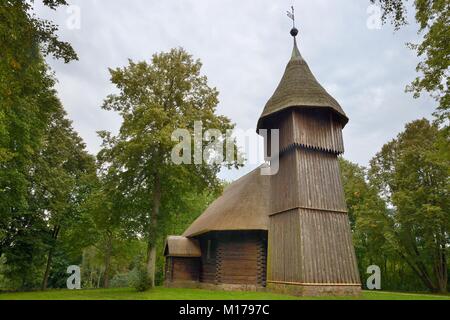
(161,293)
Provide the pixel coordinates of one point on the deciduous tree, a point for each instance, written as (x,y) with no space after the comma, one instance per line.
(412,172)
(154,100)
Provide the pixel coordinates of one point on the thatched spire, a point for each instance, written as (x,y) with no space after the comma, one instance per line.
(299,88)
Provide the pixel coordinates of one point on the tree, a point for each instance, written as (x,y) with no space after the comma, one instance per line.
(104,225)
(412,173)
(27,100)
(366,210)
(154,100)
(61,179)
(434,49)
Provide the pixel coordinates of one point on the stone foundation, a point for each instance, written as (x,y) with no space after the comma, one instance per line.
(312,290)
(309,290)
(211,286)
(231,287)
(182,284)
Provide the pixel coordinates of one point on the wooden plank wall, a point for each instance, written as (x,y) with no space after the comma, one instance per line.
(285,184)
(284,252)
(309,128)
(319,180)
(327,242)
(308,179)
(309,232)
(310,246)
(318,129)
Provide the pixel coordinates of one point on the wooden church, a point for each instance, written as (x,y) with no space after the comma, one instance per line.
(287,232)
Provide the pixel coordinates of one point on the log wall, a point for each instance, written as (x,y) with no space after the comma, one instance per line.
(208,268)
(179,269)
(239,258)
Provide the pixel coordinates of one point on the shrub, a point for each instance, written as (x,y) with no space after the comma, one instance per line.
(120,280)
(139,278)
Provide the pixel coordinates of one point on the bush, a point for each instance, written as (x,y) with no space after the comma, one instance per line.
(121,280)
(139,278)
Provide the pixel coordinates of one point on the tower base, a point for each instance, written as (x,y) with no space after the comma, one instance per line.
(315,290)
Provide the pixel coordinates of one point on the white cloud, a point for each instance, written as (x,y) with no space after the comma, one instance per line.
(244,46)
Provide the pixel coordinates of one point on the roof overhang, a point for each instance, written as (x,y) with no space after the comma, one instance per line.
(179,246)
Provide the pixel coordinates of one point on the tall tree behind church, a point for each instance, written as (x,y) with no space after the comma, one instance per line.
(155,99)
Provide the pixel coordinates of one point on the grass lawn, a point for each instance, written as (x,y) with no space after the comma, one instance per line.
(161,293)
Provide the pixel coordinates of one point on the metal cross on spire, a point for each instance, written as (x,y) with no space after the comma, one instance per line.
(291,15)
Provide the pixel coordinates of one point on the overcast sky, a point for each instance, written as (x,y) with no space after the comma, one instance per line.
(244,47)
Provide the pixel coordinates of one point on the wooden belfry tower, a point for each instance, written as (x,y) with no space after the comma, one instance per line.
(310,250)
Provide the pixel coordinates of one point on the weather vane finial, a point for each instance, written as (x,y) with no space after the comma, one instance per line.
(291,15)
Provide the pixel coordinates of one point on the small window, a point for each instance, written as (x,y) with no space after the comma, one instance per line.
(208,250)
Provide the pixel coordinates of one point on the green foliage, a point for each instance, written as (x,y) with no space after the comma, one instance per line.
(154,100)
(120,280)
(140,278)
(400,209)
(20,28)
(367,211)
(27,104)
(413,174)
(433,17)
(27,100)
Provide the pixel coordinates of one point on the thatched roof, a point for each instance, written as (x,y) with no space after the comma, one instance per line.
(177,246)
(299,88)
(244,205)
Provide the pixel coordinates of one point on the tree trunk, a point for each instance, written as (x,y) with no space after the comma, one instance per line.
(421,273)
(47,269)
(441,269)
(99,278)
(50,257)
(151,249)
(151,264)
(107,261)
